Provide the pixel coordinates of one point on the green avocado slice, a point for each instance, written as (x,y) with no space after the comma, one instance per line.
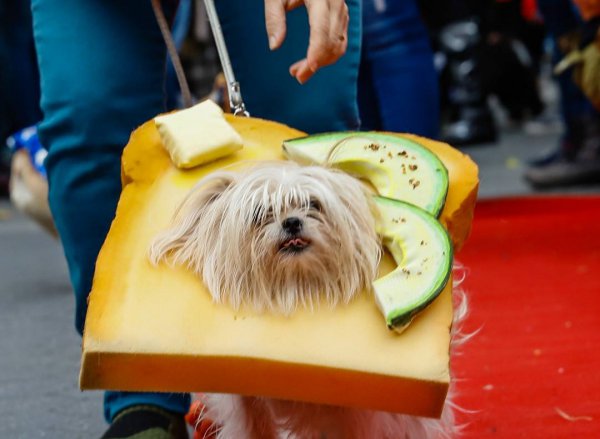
(397,168)
(423,251)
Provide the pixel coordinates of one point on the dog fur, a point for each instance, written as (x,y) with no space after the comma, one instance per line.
(230,231)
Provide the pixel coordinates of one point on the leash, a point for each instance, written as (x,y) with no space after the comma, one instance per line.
(235,96)
(186,95)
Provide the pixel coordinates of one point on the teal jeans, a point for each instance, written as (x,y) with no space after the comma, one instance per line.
(102,68)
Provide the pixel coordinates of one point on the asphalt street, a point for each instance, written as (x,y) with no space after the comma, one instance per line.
(40,350)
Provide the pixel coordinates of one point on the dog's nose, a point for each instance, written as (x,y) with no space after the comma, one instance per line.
(292,225)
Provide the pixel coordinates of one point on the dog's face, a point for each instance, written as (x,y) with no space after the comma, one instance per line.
(276,236)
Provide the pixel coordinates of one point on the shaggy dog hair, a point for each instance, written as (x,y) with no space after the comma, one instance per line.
(276,236)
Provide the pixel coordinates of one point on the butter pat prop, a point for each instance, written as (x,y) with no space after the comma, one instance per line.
(157,329)
(197,135)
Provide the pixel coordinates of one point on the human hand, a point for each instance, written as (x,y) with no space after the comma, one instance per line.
(328,21)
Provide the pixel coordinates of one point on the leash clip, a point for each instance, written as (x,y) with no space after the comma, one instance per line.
(235,96)
(235,100)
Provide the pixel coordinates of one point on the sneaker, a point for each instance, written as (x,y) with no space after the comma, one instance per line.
(576,162)
(147,422)
(564,173)
(546,158)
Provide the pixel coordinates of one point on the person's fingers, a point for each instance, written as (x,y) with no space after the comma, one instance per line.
(319,44)
(328,20)
(296,66)
(302,71)
(328,31)
(338,29)
(293,4)
(275,22)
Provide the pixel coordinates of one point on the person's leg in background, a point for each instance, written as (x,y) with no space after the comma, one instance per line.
(327,102)
(398,84)
(5,111)
(102,74)
(561,18)
(19,89)
(577,159)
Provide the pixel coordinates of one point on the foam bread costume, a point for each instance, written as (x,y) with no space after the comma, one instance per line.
(156,328)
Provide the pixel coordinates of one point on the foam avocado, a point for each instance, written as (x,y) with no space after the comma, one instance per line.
(423,251)
(397,167)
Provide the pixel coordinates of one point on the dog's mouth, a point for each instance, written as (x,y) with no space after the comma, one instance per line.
(294,245)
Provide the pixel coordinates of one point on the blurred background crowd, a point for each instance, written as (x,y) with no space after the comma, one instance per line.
(456,71)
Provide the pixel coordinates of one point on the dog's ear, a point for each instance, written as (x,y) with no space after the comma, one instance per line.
(181,239)
(203,193)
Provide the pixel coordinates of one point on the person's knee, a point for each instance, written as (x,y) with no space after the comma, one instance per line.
(96,119)
(98,81)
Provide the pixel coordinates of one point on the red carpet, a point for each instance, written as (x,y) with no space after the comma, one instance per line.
(533,370)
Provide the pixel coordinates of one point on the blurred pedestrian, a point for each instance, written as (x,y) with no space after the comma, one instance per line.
(577,159)
(19,80)
(459,37)
(585,56)
(398,84)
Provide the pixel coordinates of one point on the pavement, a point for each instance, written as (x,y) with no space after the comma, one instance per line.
(40,350)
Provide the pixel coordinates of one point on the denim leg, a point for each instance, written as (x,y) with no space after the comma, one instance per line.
(102,74)
(397,67)
(19,81)
(561,17)
(368,101)
(325,103)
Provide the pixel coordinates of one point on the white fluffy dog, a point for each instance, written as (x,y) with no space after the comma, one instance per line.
(275,237)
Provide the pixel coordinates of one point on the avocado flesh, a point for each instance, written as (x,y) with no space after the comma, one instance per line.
(397,168)
(423,251)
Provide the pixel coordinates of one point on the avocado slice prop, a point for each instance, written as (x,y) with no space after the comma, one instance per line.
(423,251)
(397,167)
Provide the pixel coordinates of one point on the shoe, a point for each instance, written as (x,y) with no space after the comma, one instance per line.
(577,161)
(566,151)
(476,126)
(563,173)
(546,158)
(29,191)
(147,422)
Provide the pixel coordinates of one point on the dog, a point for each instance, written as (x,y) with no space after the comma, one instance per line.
(275,237)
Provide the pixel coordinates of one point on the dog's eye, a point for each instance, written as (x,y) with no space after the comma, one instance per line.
(315,205)
(257,215)
(261,217)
